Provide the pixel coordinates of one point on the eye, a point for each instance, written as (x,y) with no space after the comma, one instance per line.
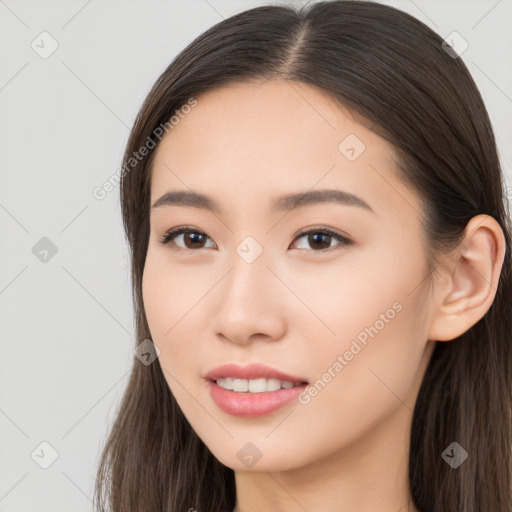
(194,239)
(322,238)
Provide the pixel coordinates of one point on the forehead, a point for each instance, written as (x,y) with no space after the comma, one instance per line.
(251,141)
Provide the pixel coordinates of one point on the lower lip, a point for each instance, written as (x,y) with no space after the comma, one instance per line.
(251,405)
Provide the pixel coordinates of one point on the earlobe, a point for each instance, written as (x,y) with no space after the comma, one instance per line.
(467,286)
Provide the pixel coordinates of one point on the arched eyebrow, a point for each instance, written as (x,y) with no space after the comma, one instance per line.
(283,203)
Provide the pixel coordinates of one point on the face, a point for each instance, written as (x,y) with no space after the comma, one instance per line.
(333,292)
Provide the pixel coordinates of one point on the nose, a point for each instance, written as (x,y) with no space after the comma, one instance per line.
(251,303)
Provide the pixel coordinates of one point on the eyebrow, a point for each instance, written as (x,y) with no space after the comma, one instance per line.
(283,203)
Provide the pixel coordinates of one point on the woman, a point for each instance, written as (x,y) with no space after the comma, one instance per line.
(321,257)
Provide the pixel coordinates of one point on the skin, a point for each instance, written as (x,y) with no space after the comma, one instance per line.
(296,307)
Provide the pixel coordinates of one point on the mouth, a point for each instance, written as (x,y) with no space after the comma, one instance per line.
(253,390)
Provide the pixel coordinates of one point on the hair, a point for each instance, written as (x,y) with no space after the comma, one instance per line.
(391,72)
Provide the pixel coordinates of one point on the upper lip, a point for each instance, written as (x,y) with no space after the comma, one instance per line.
(250,371)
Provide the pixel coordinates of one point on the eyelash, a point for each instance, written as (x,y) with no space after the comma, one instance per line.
(174,232)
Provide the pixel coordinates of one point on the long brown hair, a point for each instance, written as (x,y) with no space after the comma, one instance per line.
(390,70)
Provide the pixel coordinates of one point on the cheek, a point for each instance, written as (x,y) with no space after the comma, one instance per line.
(172,298)
(350,293)
(167,294)
(173,305)
(371,363)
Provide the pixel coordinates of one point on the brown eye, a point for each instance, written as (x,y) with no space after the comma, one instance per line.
(192,238)
(321,239)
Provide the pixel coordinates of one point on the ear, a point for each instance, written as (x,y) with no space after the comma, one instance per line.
(466,286)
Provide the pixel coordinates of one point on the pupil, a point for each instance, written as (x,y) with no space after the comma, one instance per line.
(195,236)
(315,238)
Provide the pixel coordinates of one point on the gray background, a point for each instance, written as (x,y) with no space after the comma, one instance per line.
(66,324)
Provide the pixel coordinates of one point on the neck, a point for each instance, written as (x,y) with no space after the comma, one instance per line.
(367,475)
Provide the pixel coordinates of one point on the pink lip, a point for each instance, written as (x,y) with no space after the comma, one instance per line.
(250,371)
(250,405)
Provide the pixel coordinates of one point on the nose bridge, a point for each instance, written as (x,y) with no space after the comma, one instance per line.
(247,297)
(249,271)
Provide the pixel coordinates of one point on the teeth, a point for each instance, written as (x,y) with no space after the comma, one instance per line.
(254,385)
